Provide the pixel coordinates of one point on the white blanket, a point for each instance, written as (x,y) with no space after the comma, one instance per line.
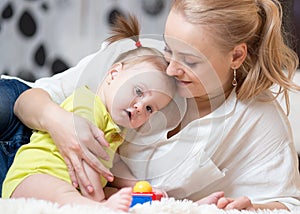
(166,206)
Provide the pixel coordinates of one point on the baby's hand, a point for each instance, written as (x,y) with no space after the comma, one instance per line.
(211,199)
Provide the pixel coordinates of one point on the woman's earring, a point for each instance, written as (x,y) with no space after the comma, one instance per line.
(234,82)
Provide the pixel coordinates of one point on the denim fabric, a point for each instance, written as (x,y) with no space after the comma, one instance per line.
(13,133)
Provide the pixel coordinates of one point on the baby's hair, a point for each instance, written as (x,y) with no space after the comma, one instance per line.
(129,28)
(125,28)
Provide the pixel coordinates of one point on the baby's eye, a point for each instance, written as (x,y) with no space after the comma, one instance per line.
(149,109)
(138,92)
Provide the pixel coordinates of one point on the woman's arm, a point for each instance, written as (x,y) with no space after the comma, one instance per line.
(36,109)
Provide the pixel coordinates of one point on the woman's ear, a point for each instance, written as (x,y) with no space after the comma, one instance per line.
(114,70)
(239,54)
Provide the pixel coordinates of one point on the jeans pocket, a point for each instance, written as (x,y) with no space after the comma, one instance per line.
(9,148)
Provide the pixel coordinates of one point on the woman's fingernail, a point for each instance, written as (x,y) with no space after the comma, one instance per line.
(90,189)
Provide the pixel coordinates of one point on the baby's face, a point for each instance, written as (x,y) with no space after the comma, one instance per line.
(136,93)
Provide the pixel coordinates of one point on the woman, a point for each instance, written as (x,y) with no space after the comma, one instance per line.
(233,136)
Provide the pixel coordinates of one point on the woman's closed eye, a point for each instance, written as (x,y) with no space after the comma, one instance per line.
(191,61)
(190,64)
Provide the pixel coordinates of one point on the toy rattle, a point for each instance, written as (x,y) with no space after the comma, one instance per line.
(142,193)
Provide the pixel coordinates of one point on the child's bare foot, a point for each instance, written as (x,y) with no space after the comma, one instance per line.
(121,200)
(211,199)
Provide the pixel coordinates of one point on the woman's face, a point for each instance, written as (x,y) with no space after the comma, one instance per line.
(195,61)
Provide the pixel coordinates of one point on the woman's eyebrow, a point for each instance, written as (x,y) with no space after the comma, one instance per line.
(181,52)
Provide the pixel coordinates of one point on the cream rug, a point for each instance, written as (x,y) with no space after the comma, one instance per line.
(166,206)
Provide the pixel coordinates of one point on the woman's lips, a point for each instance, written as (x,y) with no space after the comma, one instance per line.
(182,83)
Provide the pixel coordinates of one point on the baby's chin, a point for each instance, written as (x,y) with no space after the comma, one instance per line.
(134,126)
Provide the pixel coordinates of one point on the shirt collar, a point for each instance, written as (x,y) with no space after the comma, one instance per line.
(226,109)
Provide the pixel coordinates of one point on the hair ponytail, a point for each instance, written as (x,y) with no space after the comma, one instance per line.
(275,62)
(125,28)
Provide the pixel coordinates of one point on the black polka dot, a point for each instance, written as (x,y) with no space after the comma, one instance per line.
(40,55)
(8,11)
(58,66)
(27,24)
(153,7)
(112,15)
(45,6)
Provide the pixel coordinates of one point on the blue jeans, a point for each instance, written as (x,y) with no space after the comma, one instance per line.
(13,133)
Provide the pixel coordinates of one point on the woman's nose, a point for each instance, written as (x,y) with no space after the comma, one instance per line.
(174,69)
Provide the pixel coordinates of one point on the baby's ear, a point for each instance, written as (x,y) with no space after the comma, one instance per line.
(114,70)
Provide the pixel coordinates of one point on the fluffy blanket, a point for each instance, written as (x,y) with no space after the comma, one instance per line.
(166,206)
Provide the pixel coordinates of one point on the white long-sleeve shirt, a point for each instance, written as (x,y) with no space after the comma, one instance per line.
(242,148)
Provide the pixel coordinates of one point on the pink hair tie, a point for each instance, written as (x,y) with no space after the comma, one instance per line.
(138,44)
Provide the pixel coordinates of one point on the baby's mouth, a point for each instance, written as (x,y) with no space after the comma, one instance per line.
(128,113)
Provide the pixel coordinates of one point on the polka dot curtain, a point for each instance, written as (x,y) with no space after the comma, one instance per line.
(43,37)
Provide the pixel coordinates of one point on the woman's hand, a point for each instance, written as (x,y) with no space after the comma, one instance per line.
(244,203)
(75,140)
(74,136)
(211,199)
(241,203)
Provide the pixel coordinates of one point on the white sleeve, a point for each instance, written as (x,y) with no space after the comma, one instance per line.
(62,84)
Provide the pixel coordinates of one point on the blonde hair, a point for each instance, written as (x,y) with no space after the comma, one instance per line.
(257,23)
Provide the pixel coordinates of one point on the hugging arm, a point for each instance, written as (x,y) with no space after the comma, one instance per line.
(36,109)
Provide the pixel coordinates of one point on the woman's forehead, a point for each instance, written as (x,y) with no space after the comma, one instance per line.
(186,37)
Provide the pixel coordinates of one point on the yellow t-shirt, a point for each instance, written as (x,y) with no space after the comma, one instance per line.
(41,154)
